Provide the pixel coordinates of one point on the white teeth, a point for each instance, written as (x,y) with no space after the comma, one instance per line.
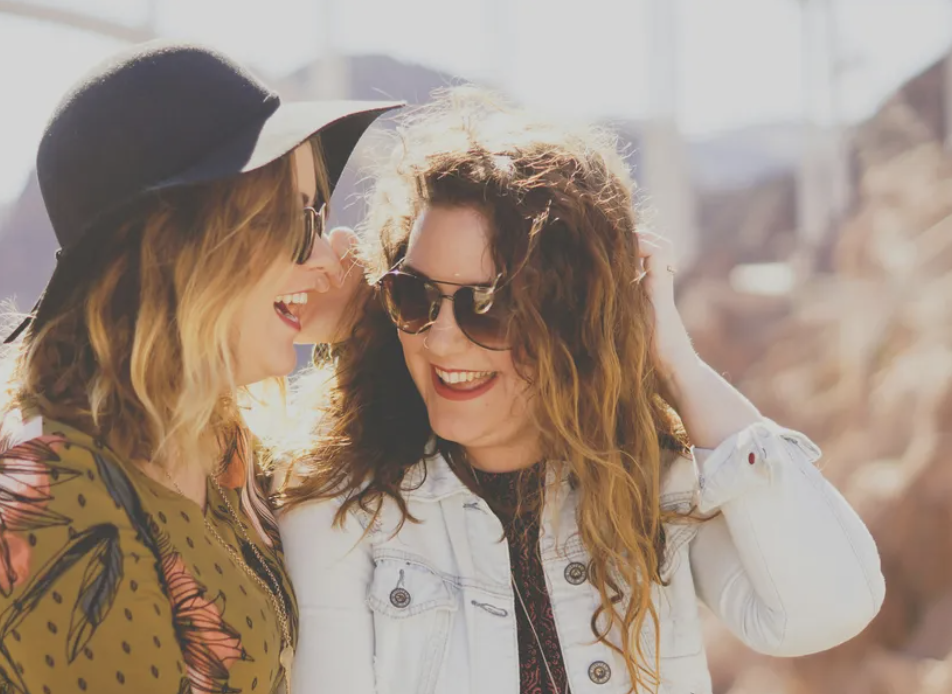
(288,299)
(453,377)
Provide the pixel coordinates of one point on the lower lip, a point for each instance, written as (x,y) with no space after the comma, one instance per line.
(288,321)
(444,391)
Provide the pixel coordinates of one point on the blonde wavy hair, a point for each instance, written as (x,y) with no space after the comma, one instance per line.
(134,342)
(560,205)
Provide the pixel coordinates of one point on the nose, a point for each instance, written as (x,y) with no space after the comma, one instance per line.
(444,336)
(322,255)
(332,255)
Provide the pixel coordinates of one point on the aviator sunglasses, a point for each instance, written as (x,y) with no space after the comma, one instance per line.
(413,303)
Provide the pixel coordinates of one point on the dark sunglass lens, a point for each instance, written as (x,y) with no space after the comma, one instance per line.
(483,317)
(307,242)
(319,221)
(408,301)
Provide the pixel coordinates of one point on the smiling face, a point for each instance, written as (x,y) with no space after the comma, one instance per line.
(474,396)
(268,320)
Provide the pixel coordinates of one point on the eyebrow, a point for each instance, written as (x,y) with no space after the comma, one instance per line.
(406,267)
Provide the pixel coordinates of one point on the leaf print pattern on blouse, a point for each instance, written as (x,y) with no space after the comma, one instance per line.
(98,545)
(27,472)
(209,644)
(97,592)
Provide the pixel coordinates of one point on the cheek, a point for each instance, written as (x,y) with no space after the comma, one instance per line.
(253,318)
(520,396)
(518,391)
(413,353)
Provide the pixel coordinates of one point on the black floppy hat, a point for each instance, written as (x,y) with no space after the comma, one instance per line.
(163,114)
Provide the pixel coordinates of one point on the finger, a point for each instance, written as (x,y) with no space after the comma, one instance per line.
(659,266)
(321,283)
(343,240)
(354,273)
(658,247)
(647,248)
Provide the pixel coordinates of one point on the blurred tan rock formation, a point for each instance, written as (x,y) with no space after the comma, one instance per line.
(860,358)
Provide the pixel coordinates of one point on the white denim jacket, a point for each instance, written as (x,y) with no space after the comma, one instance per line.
(788,566)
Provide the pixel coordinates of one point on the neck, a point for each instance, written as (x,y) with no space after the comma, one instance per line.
(505,458)
(189,480)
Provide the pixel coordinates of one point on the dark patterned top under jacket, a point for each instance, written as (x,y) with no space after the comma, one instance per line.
(501,491)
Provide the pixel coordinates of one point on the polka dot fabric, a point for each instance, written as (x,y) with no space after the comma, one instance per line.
(109,582)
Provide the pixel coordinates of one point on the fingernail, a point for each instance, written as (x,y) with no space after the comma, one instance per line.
(322,284)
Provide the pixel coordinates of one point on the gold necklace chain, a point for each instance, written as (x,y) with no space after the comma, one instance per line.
(548,668)
(286,657)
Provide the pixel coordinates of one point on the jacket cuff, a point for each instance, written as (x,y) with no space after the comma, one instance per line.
(746,461)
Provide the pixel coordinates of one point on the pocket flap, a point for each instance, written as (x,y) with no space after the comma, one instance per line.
(402,589)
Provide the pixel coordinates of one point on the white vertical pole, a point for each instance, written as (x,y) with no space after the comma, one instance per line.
(666,174)
(499,61)
(152,17)
(948,100)
(841,183)
(329,74)
(824,187)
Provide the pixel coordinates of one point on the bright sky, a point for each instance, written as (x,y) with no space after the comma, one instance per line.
(739,59)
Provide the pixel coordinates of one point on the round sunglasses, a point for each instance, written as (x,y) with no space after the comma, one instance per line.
(413,303)
(314,221)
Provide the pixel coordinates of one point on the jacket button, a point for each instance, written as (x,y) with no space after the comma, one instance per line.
(576,573)
(599,672)
(399,597)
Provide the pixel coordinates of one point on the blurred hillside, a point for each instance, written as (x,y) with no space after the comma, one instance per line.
(26,237)
(731,170)
(860,358)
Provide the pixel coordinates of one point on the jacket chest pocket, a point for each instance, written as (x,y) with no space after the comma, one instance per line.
(413,610)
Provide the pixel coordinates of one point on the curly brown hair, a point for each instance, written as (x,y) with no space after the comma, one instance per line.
(561,210)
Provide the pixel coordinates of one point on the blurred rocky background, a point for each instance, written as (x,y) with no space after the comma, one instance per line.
(860,356)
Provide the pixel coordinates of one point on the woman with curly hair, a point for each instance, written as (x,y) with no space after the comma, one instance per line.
(526,477)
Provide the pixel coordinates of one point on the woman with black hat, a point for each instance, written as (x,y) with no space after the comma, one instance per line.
(136,550)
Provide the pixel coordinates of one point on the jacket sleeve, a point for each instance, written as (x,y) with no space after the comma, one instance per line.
(331,568)
(787,565)
(82,607)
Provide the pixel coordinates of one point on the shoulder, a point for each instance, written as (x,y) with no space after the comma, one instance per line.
(42,434)
(317,539)
(317,519)
(61,498)
(42,454)
(53,474)
(422,481)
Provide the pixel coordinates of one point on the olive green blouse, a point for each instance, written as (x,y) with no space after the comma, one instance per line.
(110,582)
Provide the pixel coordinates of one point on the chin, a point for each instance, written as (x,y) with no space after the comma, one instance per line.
(286,366)
(454,429)
(275,367)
